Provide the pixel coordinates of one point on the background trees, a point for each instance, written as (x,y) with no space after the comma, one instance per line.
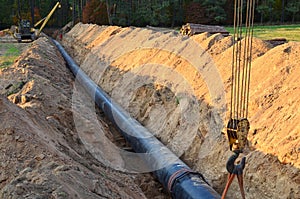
(177,12)
(13,10)
(215,9)
(293,8)
(95,12)
(265,9)
(145,12)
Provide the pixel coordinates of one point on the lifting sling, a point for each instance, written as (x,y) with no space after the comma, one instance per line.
(238,125)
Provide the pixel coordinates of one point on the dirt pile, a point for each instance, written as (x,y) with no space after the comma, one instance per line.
(41,153)
(178,87)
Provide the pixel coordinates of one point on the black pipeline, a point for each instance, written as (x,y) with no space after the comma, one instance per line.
(176,177)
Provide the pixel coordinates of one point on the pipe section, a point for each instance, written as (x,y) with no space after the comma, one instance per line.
(174,174)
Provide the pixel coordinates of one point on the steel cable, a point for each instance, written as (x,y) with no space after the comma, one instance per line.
(241,59)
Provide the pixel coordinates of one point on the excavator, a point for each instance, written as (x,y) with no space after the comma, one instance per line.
(24,31)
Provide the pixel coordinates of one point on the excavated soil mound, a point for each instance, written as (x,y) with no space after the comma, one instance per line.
(42,155)
(178,87)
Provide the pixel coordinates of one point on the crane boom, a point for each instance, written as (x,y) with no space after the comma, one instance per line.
(25,31)
(46,19)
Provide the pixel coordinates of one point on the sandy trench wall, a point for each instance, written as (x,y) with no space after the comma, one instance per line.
(178,87)
(41,153)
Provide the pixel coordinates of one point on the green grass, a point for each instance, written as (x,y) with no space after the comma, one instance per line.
(6,64)
(12,51)
(8,54)
(290,32)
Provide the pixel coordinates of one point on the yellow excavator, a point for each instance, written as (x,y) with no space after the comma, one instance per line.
(24,31)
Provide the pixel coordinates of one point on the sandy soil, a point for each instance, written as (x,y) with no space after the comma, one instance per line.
(42,155)
(178,87)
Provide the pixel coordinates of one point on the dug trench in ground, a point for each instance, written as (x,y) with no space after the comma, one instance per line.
(178,87)
(42,155)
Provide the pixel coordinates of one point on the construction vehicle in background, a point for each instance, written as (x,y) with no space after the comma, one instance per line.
(25,31)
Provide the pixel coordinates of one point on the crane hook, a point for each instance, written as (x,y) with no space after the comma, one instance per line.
(235,170)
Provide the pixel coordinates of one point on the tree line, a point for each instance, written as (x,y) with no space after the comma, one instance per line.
(178,12)
(167,13)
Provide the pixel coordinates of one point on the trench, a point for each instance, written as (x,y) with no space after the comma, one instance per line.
(260,181)
(152,155)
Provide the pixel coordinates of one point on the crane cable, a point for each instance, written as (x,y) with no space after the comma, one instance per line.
(238,125)
(240,78)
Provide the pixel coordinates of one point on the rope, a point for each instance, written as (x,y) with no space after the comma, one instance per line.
(238,125)
(250,54)
(241,59)
(232,110)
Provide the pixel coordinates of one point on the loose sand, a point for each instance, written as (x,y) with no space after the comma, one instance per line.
(178,87)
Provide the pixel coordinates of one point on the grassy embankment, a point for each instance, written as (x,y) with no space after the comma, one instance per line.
(8,54)
(290,32)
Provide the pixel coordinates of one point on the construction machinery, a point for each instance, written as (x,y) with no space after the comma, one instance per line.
(25,31)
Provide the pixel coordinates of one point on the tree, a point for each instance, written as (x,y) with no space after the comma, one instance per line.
(215,9)
(293,8)
(108,12)
(143,12)
(265,8)
(282,11)
(95,12)
(5,18)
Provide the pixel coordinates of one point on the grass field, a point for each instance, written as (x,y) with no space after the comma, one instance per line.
(290,32)
(8,54)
